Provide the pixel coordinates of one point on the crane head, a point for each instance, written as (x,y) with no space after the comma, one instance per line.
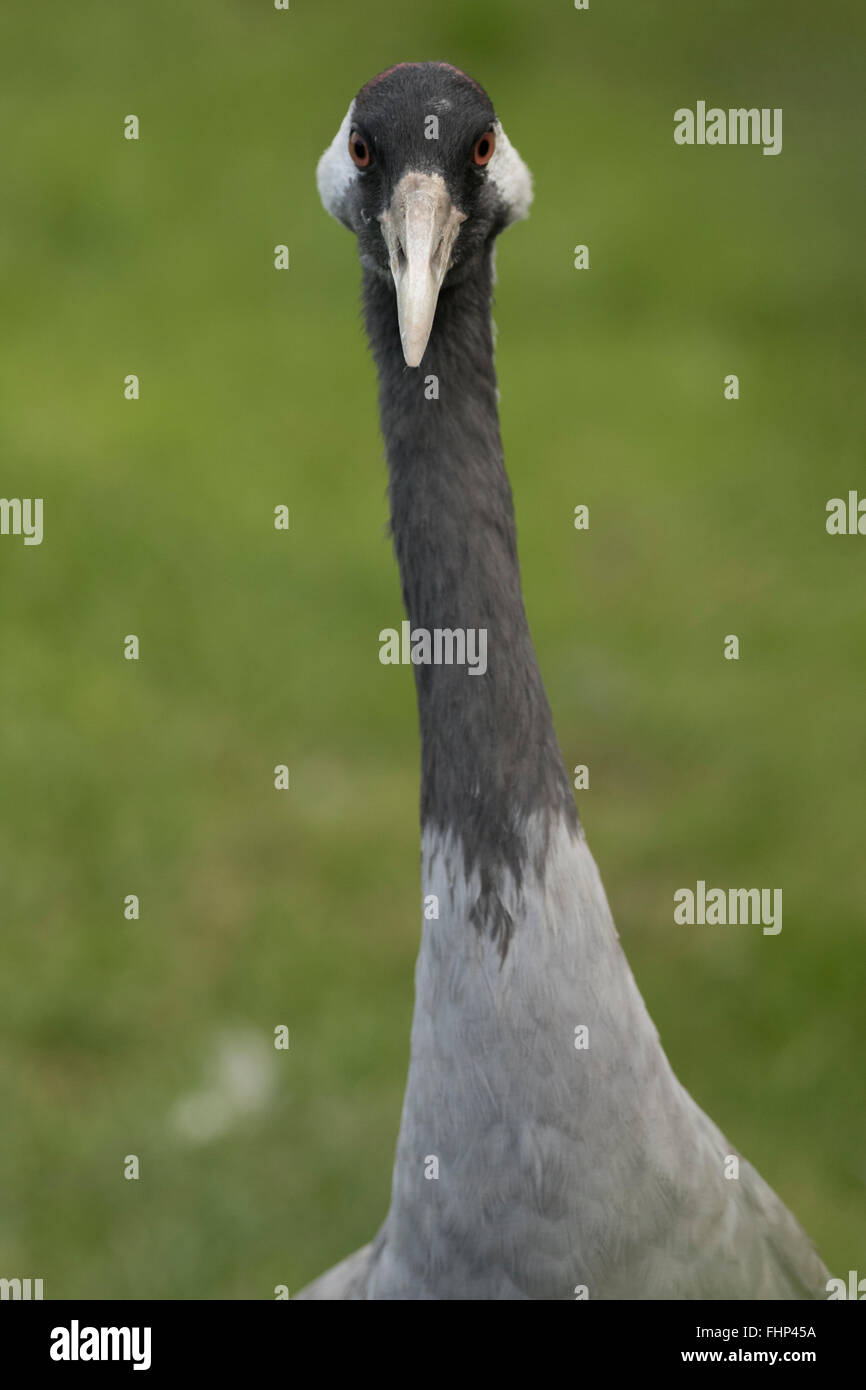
(424,175)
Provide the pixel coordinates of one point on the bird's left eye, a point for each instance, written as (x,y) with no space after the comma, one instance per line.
(484,147)
(360,150)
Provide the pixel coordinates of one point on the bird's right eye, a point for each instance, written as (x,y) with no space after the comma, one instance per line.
(360,151)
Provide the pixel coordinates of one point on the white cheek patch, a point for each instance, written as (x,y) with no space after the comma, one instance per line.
(335,172)
(510,175)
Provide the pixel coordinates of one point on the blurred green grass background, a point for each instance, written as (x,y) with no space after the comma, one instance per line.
(259,647)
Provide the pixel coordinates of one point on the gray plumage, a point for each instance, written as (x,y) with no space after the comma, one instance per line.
(560,1170)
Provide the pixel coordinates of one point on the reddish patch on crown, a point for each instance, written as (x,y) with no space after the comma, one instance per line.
(449,67)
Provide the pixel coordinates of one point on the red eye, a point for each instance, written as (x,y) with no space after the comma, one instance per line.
(484,147)
(359,150)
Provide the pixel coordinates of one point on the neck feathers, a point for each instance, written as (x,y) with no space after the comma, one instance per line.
(489,753)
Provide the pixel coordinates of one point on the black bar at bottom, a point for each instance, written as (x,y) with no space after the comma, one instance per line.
(221,1338)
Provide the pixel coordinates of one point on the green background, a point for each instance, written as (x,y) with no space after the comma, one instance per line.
(260,647)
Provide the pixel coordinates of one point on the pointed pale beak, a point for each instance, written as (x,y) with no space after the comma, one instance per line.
(420,229)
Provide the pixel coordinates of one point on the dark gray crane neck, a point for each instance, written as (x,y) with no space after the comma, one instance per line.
(489,752)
